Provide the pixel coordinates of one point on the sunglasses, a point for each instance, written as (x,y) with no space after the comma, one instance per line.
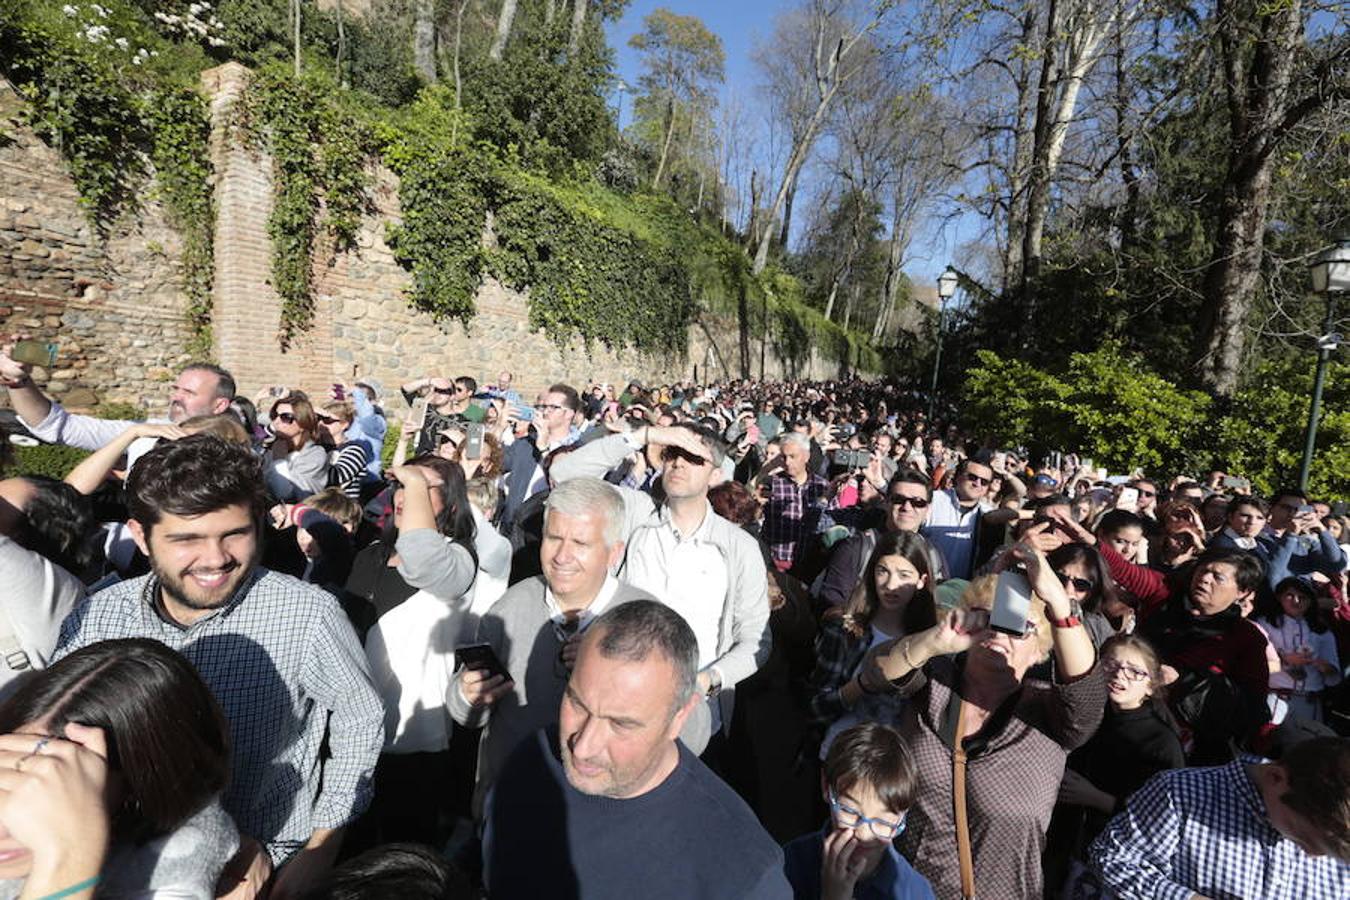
(449,390)
(447,439)
(1081,584)
(327,420)
(902,500)
(288,418)
(1146,493)
(976,479)
(670,454)
(546,407)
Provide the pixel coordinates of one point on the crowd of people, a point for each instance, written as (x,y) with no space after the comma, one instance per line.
(731,640)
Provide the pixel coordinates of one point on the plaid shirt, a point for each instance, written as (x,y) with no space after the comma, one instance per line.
(280,656)
(791,514)
(1206,831)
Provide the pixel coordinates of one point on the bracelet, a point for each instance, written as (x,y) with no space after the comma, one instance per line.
(904,654)
(73,889)
(1069,621)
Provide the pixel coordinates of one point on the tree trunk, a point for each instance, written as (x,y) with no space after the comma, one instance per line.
(578,25)
(459,85)
(295,22)
(342,45)
(505,17)
(794,166)
(424,40)
(899,245)
(743,320)
(752,225)
(550,11)
(787,215)
(848,305)
(1259,106)
(665,145)
(1231,281)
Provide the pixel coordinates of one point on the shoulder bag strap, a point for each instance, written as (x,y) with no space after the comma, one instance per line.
(965,857)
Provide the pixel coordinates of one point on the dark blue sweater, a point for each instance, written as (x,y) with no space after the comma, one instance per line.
(689,837)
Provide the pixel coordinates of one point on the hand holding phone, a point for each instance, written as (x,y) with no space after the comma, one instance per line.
(1012,603)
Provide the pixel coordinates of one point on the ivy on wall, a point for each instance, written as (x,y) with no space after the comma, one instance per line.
(319,152)
(91,95)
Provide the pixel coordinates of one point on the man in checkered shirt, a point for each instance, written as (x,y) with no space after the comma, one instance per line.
(279,654)
(1249,829)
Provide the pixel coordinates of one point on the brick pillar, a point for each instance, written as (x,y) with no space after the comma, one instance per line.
(246,311)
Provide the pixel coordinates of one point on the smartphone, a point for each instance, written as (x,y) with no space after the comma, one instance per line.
(1129,499)
(34,353)
(473,441)
(524,413)
(480,657)
(1306,510)
(1012,602)
(419,413)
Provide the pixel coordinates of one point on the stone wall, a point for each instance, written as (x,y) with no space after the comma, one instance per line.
(115,308)
(118,309)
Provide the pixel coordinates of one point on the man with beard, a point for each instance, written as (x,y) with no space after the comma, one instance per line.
(279,654)
(201,389)
(609,804)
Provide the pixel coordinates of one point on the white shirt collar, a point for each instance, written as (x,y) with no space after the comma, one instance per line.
(1244,543)
(602,600)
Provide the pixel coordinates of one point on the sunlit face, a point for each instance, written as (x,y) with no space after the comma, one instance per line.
(1246,521)
(908,506)
(795,460)
(896,580)
(194,394)
(442,393)
(1294,602)
(575,557)
(1126,541)
(682,477)
(1127,677)
(618,722)
(284,423)
(1077,579)
(861,800)
(551,412)
(997,653)
(434,482)
(200,560)
(334,427)
(1334,528)
(973,482)
(1214,588)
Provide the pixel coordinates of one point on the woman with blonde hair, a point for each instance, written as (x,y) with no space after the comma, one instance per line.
(986,742)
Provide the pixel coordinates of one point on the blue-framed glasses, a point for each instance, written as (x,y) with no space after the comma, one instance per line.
(847,817)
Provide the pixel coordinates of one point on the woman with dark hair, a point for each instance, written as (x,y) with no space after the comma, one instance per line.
(1088,583)
(1137,739)
(1309,663)
(407,594)
(296,465)
(122,745)
(892,599)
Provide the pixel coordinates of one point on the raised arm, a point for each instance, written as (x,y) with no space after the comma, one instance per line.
(94,469)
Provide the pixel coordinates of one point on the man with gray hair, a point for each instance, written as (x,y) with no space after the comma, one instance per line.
(608,803)
(535,627)
(797,496)
(705,568)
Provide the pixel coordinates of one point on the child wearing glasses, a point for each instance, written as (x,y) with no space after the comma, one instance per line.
(869,782)
(1137,740)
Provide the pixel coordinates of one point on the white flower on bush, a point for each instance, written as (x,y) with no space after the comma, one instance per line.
(69,10)
(122,44)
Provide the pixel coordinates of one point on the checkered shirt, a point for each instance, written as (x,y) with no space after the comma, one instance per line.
(1205,831)
(280,656)
(791,514)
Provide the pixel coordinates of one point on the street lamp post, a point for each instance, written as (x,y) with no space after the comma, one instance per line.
(1330,276)
(946,285)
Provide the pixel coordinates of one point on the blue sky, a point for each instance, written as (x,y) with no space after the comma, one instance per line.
(741,24)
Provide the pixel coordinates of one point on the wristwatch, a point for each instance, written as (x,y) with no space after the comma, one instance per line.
(1069,621)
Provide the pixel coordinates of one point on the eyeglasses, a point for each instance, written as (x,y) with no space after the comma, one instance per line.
(848,817)
(546,407)
(1130,673)
(1081,584)
(672,453)
(1145,492)
(288,418)
(447,439)
(902,500)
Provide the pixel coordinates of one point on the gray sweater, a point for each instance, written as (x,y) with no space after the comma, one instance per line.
(37,596)
(518,629)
